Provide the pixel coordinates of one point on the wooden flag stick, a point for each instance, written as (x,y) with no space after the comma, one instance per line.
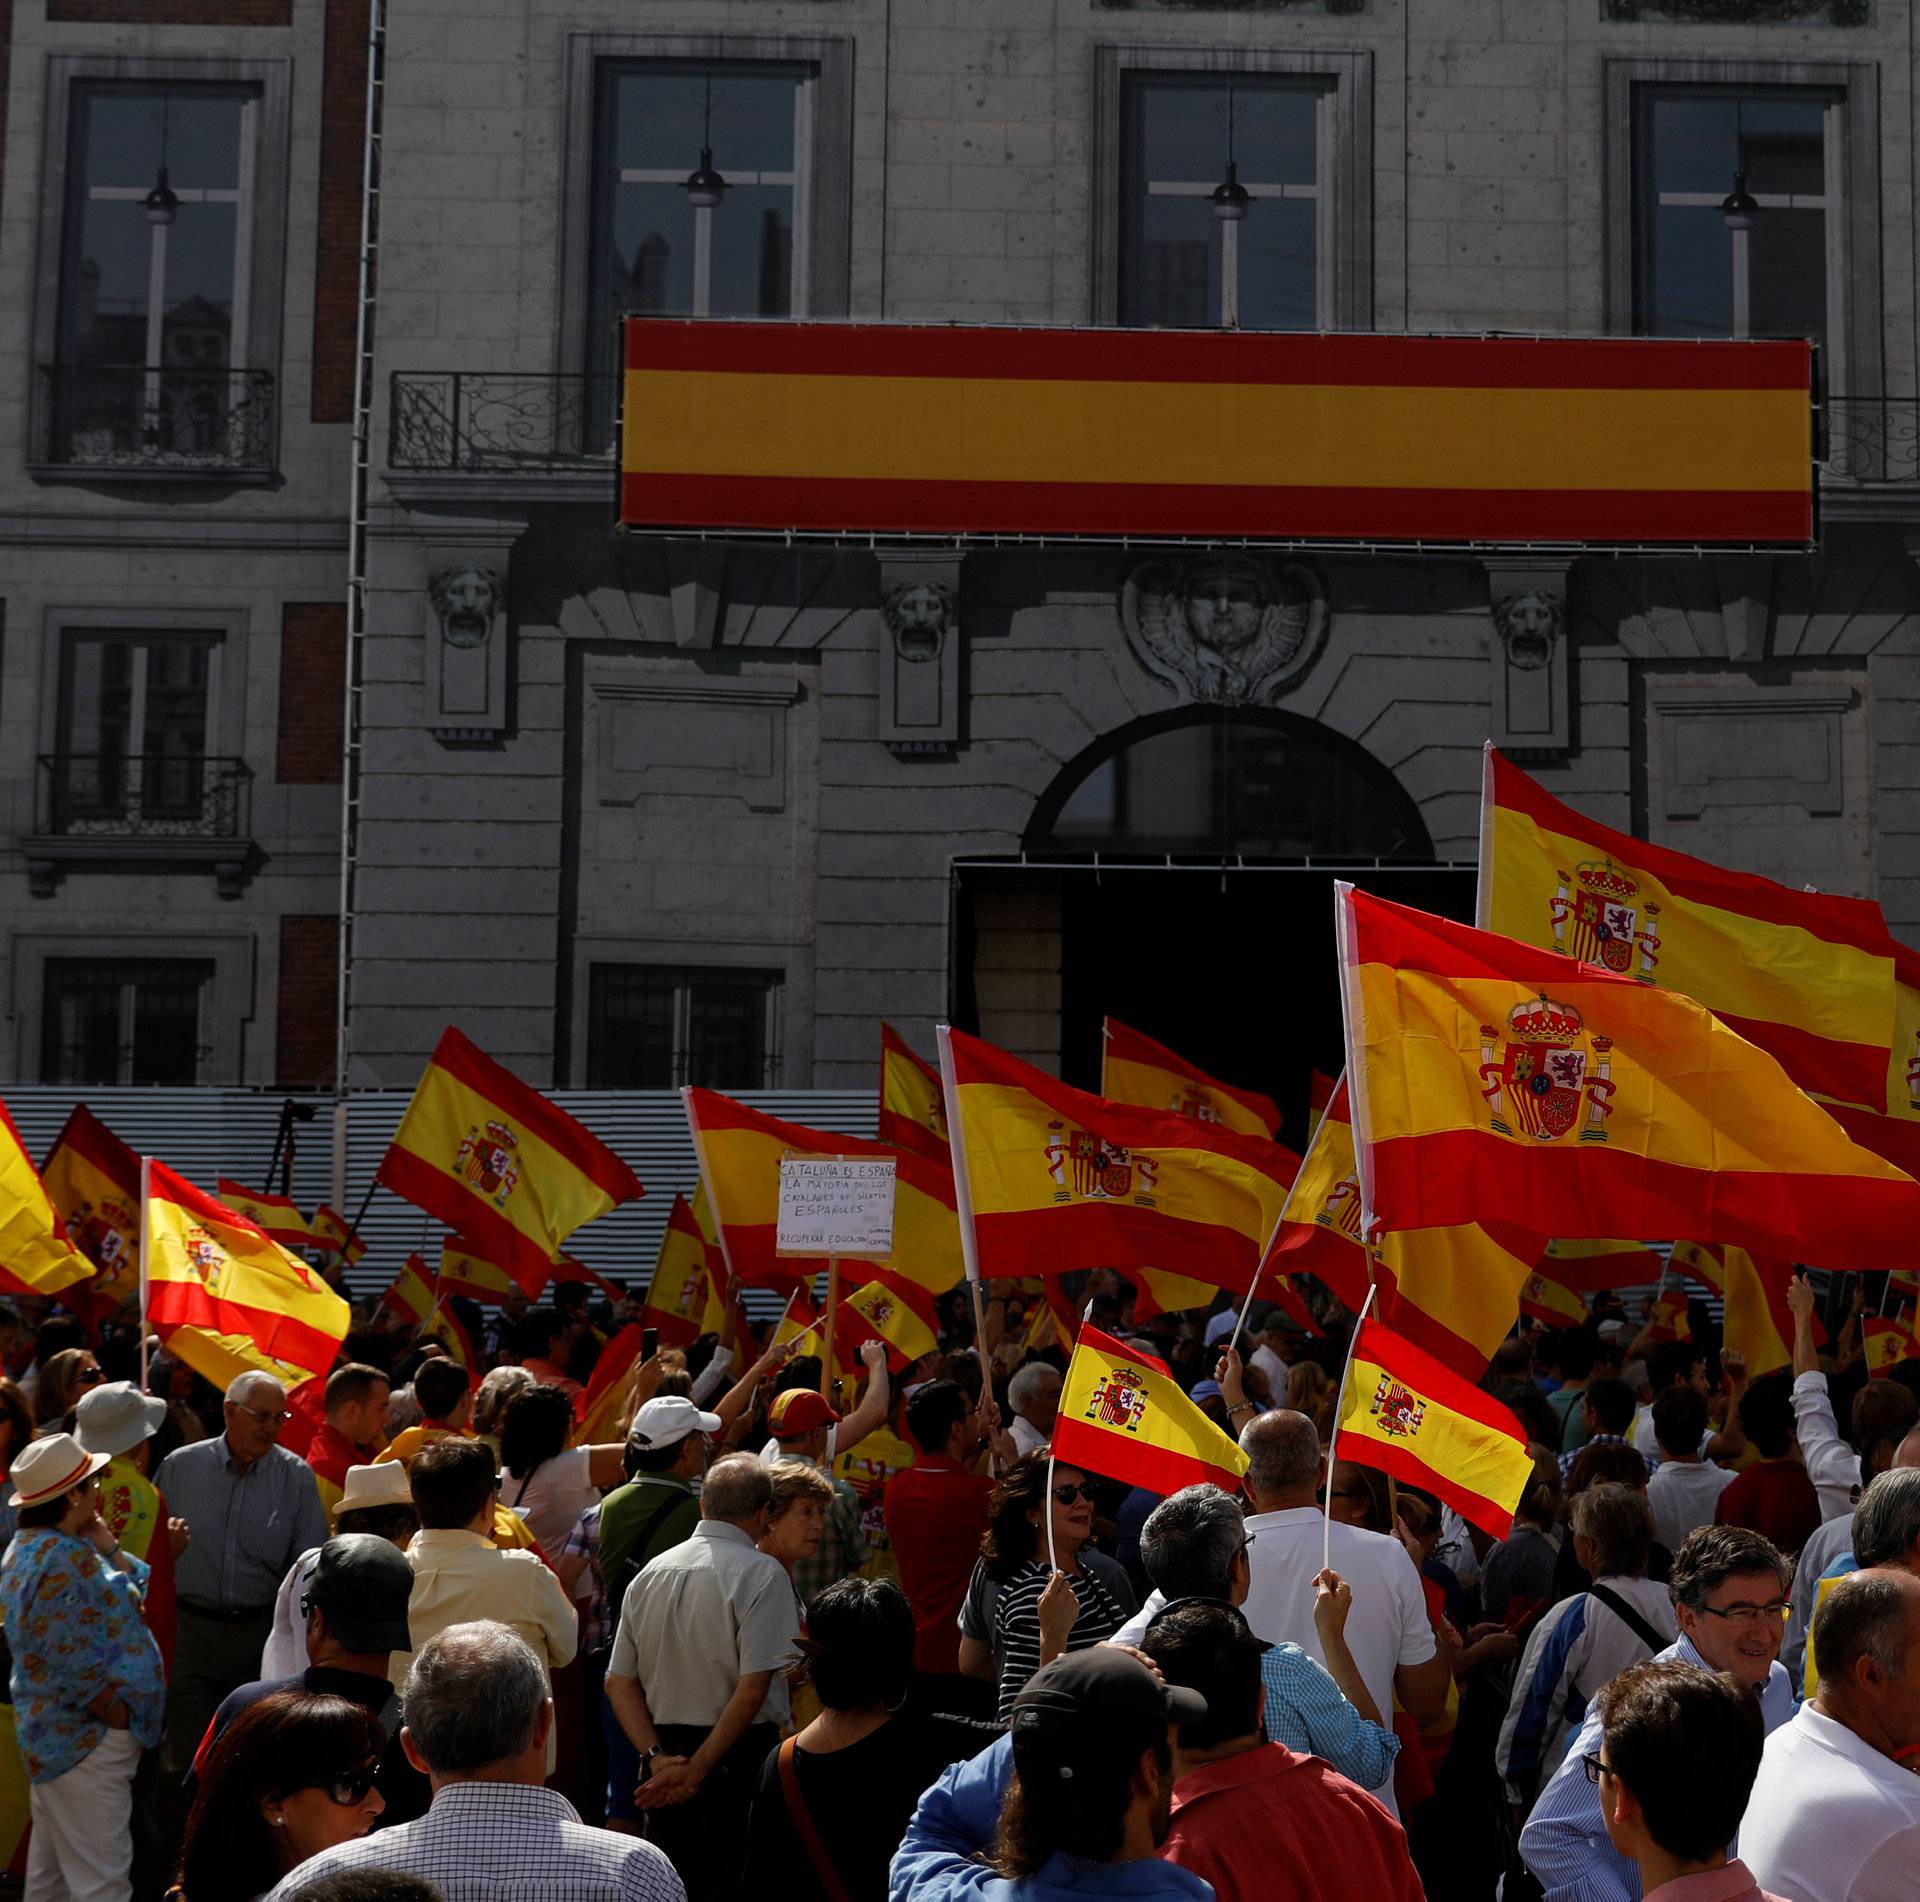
(833,1314)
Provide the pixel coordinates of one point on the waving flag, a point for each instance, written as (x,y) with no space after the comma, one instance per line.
(277,1217)
(1408,1416)
(1753,1288)
(603,1408)
(494,1161)
(1543,1298)
(1321,1232)
(912,1115)
(1890,1126)
(1135,1069)
(1123,1416)
(1492,1082)
(682,1302)
(1886,1341)
(35,1255)
(226,1298)
(93,1180)
(1060,1180)
(1805,975)
(898,1312)
(1594,1264)
(333,1234)
(464,1272)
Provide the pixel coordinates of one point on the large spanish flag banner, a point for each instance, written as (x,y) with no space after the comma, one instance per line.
(226,1299)
(1891,1127)
(1598,1262)
(1058,1180)
(35,1255)
(1805,975)
(494,1161)
(93,1180)
(682,1302)
(1123,1416)
(912,1115)
(1405,1414)
(740,1150)
(1497,1083)
(1135,1069)
(838,429)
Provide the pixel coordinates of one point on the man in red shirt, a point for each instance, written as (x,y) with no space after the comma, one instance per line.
(352,1432)
(936,1514)
(1256,1818)
(1774,1496)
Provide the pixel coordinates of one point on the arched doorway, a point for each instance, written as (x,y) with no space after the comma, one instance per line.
(1178,875)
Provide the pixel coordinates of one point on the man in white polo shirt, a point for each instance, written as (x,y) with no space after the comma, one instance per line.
(1835,1810)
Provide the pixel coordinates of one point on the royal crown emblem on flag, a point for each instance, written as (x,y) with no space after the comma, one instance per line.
(1546,1071)
(1397,1410)
(690,1290)
(1913,1073)
(1341,1210)
(487,1161)
(102,1234)
(1084,1164)
(1599,918)
(1193,1103)
(205,1256)
(1119,1399)
(880,1310)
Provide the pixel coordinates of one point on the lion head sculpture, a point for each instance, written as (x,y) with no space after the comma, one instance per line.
(466,602)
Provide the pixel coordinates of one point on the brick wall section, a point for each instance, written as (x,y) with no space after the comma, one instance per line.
(174,12)
(336,276)
(309,971)
(313,683)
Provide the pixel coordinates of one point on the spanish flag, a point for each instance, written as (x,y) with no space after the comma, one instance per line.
(1135,1069)
(462,1271)
(1122,1415)
(1890,1127)
(1805,975)
(1495,1083)
(35,1255)
(740,1151)
(603,1408)
(496,1162)
(1753,1288)
(912,1114)
(1060,1180)
(93,1180)
(1598,1263)
(1670,1319)
(415,1298)
(1408,1416)
(1887,1341)
(1320,1233)
(225,1298)
(682,1302)
(333,1234)
(277,1217)
(1543,1298)
(806,1325)
(899,1312)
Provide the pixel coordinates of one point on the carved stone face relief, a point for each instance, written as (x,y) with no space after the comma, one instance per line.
(466,602)
(918,613)
(1225,628)
(1529,624)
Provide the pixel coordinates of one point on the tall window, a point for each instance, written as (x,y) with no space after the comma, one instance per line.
(1183,265)
(658,1027)
(1695,277)
(133,725)
(155,264)
(656,251)
(112,1020)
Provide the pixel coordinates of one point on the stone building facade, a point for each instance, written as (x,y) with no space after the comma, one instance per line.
(636,811)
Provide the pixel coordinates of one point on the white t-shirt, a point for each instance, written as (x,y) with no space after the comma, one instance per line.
(1026,1436)
(1830,1817)
(1275,1369)
(1683,1497)
(556,1493)
(1388,1625)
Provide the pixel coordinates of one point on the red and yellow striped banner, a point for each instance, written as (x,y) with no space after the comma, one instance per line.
(913,1113)
(901,429)
(93,1179)
(1135,1069)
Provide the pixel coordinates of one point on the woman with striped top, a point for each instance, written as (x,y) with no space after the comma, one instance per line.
(1039,1613)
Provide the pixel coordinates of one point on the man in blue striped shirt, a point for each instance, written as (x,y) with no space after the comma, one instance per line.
(1729,1589)
(253,1508)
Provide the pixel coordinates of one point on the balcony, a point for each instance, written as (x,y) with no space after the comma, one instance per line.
(144,810)
(548,437)
(1869,440)
(121,420)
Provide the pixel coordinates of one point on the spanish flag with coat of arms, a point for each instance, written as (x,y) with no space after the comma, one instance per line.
(93,1180)
(1492,1082)
(35,1255)
(1135,1069)
(683,1300)
(494,1161)
(912,1114)
(1123,1416)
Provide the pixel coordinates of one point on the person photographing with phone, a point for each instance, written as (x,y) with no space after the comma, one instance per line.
(88,1685)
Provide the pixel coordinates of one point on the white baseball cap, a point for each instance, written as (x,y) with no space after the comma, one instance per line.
(666,1421)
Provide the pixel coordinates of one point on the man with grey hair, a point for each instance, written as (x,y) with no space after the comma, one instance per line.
(1034,1396)
(1622,1619)
(697,1677)
(1835,1810)
(1883,1529)
(253,1508)
(477,1719)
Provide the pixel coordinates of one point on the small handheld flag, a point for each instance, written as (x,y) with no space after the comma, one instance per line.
(1122,1415)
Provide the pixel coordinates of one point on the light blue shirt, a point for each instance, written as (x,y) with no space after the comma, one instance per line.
(1565,1842)
(1306,1712)
(248,1528)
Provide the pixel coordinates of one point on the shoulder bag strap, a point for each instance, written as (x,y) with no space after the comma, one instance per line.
(1630,1618)
(828,1876)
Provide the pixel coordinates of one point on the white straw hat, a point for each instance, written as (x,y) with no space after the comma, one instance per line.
(50,1467)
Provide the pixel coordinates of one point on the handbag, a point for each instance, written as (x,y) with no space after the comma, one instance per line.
(829,1877)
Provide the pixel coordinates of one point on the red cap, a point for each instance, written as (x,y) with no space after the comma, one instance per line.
(795,1413)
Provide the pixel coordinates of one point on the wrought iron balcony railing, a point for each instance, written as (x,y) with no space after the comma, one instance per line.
(114,417)
(144,796)
(500,423)
(1865,439)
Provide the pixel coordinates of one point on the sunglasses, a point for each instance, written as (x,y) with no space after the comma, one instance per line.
(1068,1494)
(88,1377)
(351,1789)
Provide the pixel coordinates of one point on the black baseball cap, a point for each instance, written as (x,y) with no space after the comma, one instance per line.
(363,1583)
(1086,1692)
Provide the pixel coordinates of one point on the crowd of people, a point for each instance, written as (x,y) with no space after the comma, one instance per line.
(864,1637)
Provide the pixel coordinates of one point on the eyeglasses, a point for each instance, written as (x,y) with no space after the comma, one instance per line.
(88,1377)
(273,1422)
(1068,1494)
(1749,1617)
(1593,1767)
(1247,1542)
(352,1789)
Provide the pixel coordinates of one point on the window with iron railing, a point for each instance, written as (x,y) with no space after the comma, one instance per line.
(115,1020)
(656,1027)
(135,712)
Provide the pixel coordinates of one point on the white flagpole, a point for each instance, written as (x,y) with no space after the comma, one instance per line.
(1333,1434)
(969,1243)
(146,1168)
